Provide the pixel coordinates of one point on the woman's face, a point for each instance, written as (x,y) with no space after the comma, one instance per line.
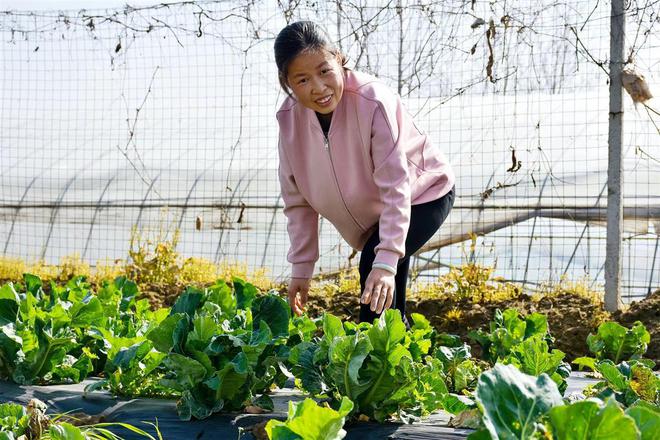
(317,80)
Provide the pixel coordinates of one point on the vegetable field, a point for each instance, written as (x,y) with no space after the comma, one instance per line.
(228,348)
(144,243)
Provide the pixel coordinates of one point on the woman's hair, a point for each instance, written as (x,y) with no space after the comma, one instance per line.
(299,37)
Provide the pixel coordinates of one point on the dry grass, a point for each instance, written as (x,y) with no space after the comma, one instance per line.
(11,269)
(470,282)
(347,281)
(580,288)
(153,261)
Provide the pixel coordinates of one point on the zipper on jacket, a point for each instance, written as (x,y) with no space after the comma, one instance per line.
(326,143)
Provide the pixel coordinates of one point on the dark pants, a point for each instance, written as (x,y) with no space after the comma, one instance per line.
(425,220)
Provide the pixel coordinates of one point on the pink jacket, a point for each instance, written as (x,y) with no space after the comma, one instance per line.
(374,164)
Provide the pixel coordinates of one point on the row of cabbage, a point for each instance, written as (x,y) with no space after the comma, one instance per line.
(226,346)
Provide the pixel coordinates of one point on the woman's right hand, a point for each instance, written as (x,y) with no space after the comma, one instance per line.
(298,290)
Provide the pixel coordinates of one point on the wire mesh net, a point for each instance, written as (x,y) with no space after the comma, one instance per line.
(163,117)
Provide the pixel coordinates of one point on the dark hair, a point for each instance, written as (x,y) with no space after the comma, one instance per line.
(296,38)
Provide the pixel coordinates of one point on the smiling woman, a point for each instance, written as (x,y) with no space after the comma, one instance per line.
(350,152)
(317,81)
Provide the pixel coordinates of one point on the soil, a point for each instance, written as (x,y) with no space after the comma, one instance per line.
(161,295)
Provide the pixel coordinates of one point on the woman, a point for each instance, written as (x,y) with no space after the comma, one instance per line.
(350,152)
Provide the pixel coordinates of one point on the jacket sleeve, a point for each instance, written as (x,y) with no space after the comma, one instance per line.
(391,177)
(302,223)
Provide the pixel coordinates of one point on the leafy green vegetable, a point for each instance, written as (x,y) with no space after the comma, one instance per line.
(308,374)
(507,330)
(647,419)
(592,420)
(133,372)
(372,364)
(533,356)
(585,361)
(645,383)
(131,367)
(40,333)
(68,333)
(525,343)
(245,293)
(421,338)
(308,421)
(460,369)
(617,343)
(513,402)
(302,328)
(223,347)
(13,417)
(518,406)
(628,382)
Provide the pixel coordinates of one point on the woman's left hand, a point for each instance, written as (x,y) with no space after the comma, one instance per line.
(378,290)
